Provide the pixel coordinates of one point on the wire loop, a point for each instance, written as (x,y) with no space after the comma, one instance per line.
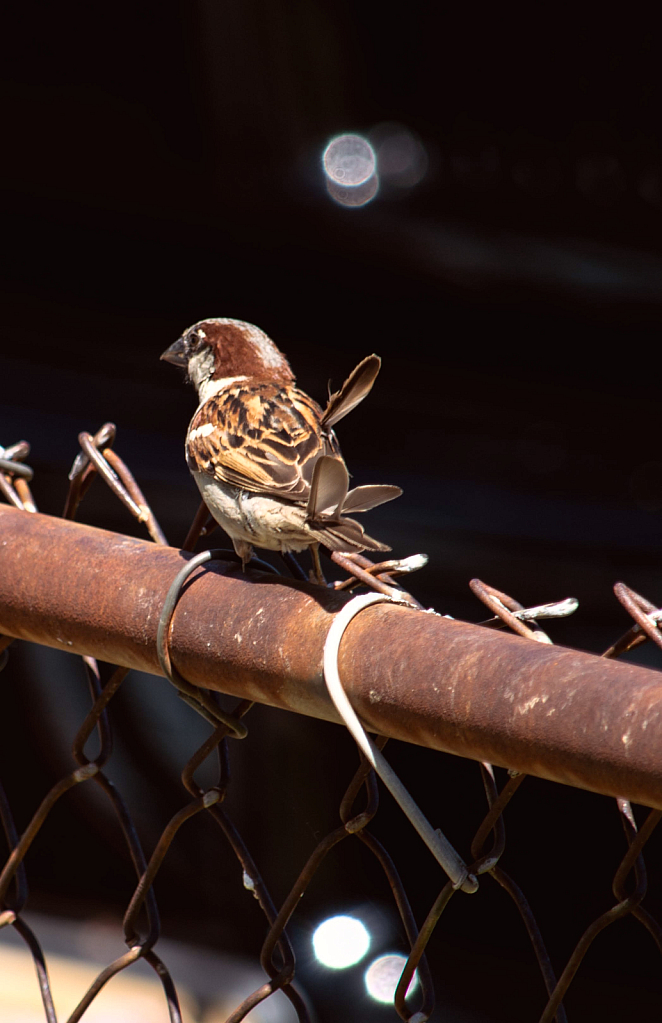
(193,695)
(436,842)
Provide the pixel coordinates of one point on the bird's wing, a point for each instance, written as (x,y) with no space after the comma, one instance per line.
(260,437)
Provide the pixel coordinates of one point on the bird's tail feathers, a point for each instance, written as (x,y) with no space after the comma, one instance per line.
(329,500)
(362,499)
(356,387)
(345,536)
(328,488)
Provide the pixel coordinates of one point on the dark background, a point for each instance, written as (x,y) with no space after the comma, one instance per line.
(163,164)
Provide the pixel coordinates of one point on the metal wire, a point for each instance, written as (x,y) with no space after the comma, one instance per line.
(141,924)
(437,843)
(201,702)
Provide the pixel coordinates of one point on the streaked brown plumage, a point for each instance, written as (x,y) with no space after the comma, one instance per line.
(266,438)
(262,452)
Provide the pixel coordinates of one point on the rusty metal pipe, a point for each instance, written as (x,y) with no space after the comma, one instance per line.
(557,713)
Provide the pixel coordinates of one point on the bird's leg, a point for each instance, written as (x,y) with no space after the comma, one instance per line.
(244,550)
(317,575)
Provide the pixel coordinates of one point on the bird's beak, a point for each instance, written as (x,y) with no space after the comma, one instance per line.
(176,354)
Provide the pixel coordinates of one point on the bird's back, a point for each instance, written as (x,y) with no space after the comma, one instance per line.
(261,437)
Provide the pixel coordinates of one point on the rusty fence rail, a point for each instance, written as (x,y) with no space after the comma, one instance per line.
(474,691)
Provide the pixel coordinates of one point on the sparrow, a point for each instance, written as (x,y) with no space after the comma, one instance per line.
(263,454)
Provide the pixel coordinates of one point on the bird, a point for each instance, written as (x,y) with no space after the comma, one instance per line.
(263,454)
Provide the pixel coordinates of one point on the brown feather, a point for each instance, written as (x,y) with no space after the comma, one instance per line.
(328,488)
(356,387)
(362,499)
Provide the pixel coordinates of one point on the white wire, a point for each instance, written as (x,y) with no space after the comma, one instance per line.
(439,846)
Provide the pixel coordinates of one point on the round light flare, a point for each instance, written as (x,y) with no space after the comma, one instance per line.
(401,156)
(349,160)
(382,977)
(340,941)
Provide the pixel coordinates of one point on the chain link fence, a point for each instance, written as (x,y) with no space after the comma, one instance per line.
(357,808)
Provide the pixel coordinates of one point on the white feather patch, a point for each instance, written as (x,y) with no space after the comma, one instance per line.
(209,388)
(202,431)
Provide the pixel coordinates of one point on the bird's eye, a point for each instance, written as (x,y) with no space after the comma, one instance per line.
(196,341)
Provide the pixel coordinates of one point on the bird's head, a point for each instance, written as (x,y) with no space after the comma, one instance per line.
(217,350)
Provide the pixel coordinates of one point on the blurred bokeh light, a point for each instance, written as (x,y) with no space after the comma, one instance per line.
(382,977)
(350,163)
(402,159)
(340,941)
(349,160)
